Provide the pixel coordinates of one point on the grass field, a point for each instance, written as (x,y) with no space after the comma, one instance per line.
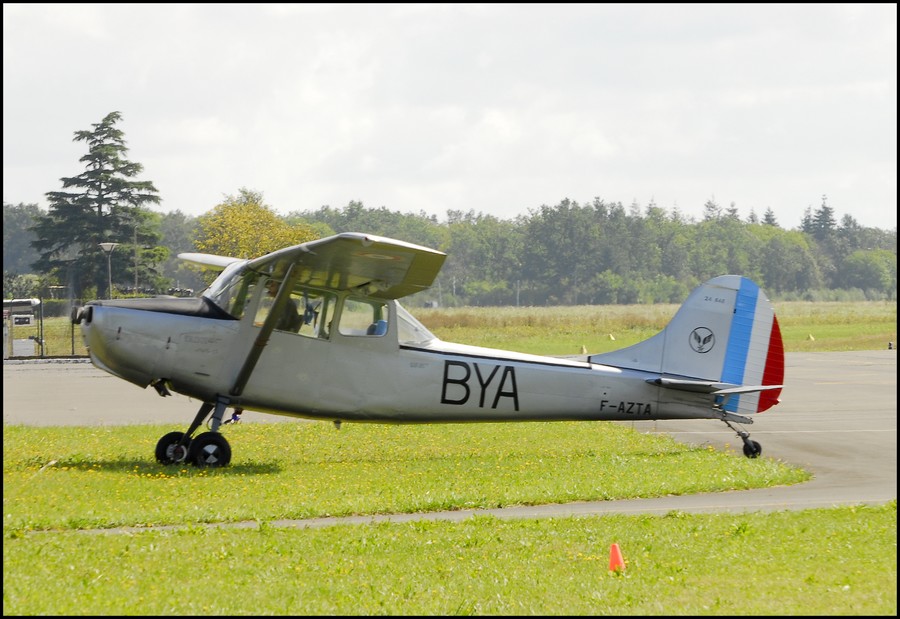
(60,482)
(818,562)
(54,476)
(805,326)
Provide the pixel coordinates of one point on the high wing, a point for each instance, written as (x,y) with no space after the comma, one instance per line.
(208,261)
(380,267)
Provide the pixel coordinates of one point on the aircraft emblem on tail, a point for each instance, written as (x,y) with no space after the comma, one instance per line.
(702,340)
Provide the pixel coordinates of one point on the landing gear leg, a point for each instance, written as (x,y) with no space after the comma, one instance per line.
(173,448)
(752,449)
(199,419)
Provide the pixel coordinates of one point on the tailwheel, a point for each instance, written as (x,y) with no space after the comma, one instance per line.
(752,449)
(170,450)
(210,449)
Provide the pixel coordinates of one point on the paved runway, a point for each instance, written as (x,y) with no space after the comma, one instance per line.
(837,419)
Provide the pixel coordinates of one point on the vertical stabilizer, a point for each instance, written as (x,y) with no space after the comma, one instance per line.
(725,332)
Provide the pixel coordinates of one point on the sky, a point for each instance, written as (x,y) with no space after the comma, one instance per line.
(492,108)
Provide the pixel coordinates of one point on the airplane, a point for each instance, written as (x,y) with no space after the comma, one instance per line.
(357,355)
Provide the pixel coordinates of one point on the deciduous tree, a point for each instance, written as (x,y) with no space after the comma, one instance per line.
(242,226)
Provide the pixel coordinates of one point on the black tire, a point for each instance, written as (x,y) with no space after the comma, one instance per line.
(752,449)
(210,449)
(168,450)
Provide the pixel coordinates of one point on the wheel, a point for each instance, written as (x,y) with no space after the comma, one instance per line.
(752,449)
(210,449)
(168,450)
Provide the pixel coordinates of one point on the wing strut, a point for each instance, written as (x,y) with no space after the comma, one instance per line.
(287,284)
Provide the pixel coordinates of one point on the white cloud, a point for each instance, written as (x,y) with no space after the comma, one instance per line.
(491,108)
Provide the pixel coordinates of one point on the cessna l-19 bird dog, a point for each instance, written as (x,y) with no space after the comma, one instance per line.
(316,331)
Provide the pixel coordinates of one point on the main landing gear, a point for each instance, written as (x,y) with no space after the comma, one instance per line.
(752,449)
(209,449)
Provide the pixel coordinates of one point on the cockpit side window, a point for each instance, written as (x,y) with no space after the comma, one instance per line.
(363,317)
(307,312)
(316,308)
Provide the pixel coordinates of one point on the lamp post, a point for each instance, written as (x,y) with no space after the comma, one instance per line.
(108,248)
(135,261)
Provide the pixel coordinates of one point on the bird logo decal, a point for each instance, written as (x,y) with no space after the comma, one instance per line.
(702,340)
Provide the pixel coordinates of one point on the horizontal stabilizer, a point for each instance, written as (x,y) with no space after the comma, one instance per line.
(699,386)
(747,389)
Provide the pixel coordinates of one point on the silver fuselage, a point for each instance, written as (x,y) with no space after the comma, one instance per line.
(370,378)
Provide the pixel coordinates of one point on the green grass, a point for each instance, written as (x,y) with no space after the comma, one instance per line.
(819,562)
(58,480)
(52,477)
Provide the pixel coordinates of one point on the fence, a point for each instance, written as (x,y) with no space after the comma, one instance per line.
(28,332)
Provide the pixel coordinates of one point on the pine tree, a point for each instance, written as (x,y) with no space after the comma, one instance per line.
(824,224)
(108,207)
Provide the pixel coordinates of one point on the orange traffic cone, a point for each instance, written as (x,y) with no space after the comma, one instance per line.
(616,562)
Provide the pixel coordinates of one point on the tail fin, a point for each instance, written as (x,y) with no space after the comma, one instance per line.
(725,335)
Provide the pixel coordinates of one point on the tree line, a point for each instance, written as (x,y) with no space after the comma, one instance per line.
(569,253)
(603,253)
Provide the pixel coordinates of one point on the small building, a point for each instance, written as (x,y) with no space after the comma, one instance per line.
(21,313)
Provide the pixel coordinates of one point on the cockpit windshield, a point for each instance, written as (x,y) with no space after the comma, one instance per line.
(229,290)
